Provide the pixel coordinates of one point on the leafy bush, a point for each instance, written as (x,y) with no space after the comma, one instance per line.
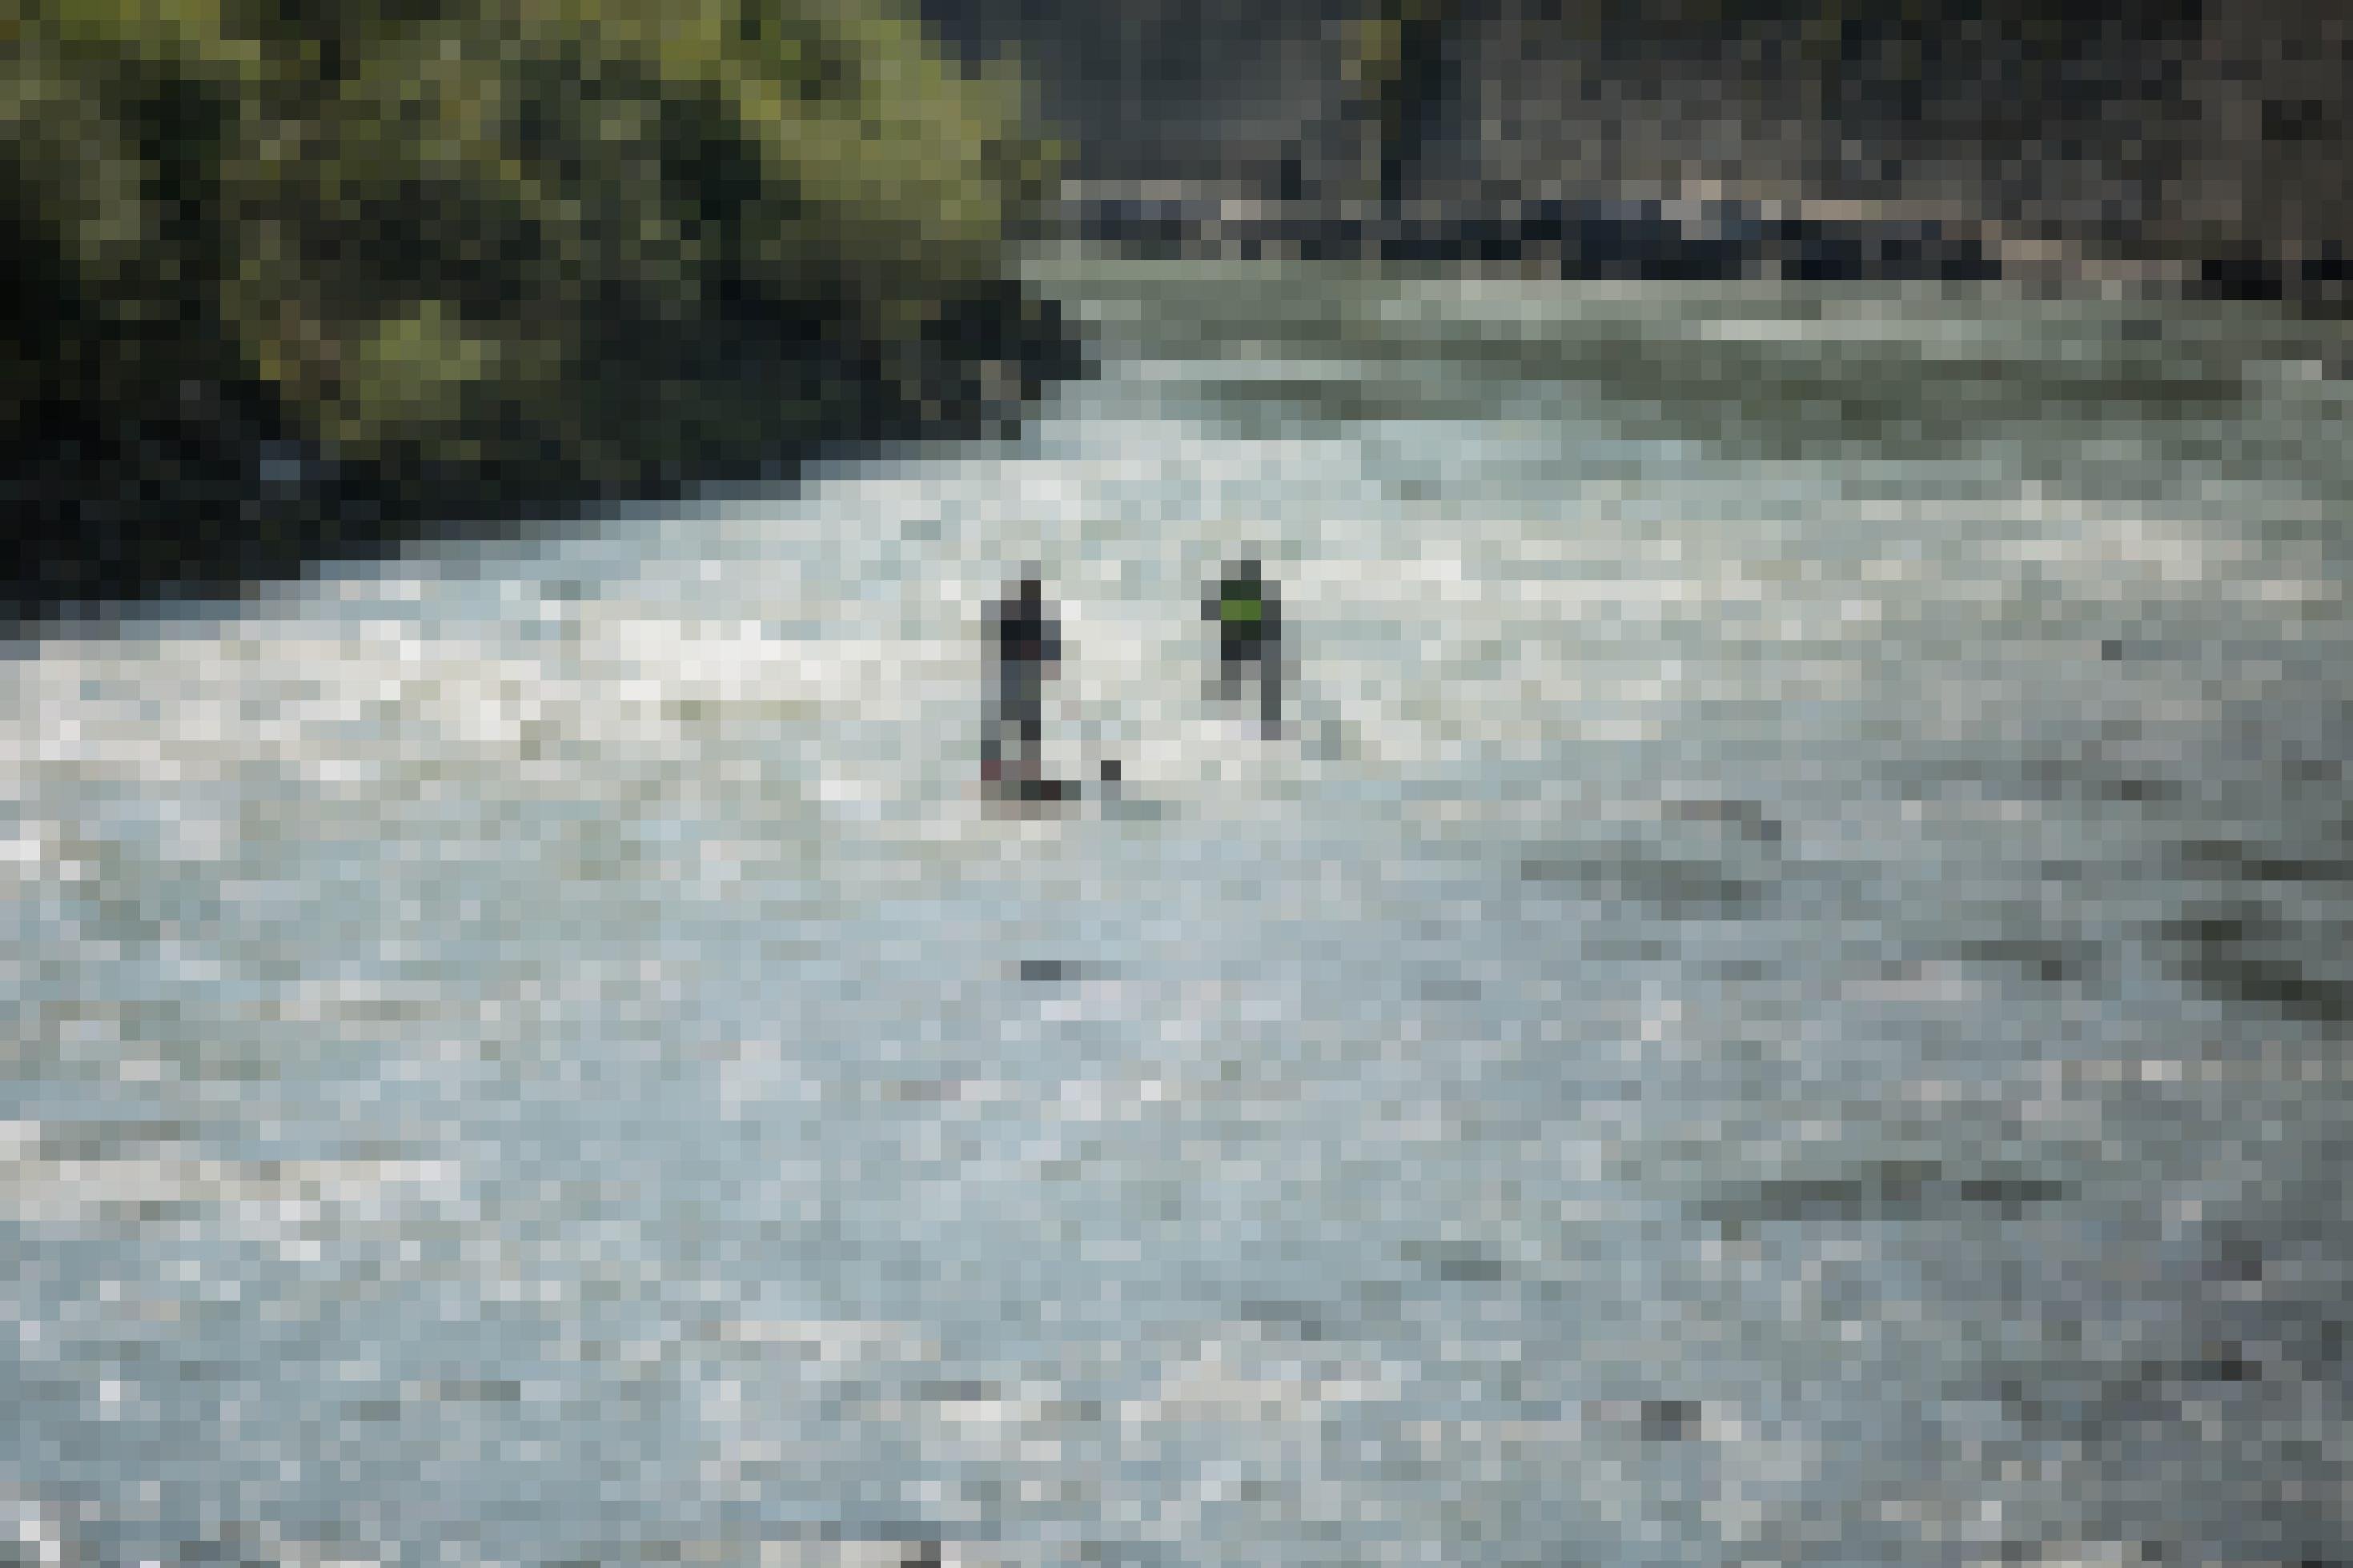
(602,236)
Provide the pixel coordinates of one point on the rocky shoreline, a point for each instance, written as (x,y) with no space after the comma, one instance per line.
(1694,239)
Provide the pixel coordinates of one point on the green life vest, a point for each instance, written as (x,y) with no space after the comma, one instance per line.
(1237,611)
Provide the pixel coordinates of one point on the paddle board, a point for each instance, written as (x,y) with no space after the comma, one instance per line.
(1052,793)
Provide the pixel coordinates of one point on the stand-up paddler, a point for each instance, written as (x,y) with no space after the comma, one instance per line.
(1248,618)
(1028,648)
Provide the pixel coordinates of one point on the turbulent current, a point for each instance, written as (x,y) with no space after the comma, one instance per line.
(1782,997)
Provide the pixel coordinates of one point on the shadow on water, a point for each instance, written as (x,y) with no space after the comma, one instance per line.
(109,536)
(2243,953)
(2260,925)
(1880,1190)
(1668,886)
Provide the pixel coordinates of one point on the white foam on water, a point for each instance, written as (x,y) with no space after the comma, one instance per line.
(1656,834)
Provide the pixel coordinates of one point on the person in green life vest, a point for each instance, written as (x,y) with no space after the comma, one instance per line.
(1248,618)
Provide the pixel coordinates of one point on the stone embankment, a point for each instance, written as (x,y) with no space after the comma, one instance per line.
(1708,236)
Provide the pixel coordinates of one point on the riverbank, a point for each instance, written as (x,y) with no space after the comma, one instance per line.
(135,518)
(290,289)
(1667,235)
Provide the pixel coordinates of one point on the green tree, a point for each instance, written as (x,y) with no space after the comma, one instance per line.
(608,236)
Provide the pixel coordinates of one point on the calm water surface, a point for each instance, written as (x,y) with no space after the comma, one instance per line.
(1784,1000)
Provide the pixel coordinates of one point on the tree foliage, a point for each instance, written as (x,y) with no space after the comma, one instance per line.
(482,229)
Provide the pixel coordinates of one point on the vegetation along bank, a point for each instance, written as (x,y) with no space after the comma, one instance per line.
(304,276)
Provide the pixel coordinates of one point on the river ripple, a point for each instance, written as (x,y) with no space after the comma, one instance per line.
(1783,1000)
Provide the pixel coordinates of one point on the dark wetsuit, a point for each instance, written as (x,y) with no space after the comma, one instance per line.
(1029,647)
(1248,618)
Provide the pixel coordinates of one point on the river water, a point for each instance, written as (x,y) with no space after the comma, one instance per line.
(1783,999)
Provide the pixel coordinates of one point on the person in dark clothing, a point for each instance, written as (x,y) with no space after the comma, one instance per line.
(1248,618)
(1028,646)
